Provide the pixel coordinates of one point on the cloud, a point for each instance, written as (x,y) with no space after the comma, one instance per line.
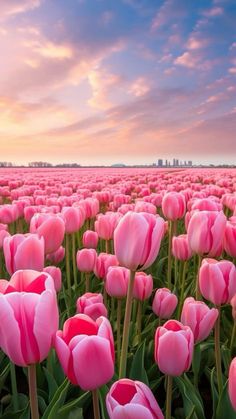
(140,87)
(11,8)
(193,43)
(101,82)
(214,11)
(188,60)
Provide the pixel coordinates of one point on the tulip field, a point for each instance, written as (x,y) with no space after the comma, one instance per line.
(117,293)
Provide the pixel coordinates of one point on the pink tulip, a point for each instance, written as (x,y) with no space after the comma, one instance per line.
(180,247)
(55,273)
(164,303)
(90,239)
(3,234)
(173,205)
(230,238)
(103,262)
(106,224)
(57,256)
(233,304)
(73,218)
(23,251)
(199,317)
(86,260)
(117,280)
(206,231)
(143,286)
(137,239)
(92,305)
(29,316)
(217,280)
(85,349)
(132,400)
(8,213)
(232,383)
(173,348)
(51,228)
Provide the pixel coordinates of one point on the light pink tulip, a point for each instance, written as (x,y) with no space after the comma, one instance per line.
(90,239)
(56,276)
(86,260)
(173,348)
(143,286)
(173,205)
(103,262)
(29,316)
(180,247)
(117,280)
(23,251)
(51,228)
(73,218)
(232,383)
(91,304)
(106,224)
(230,238)
(85,349)
(137,239)
(199,317)
(128,399)
(57,256)
(217,280)
(206,231)
(164,303)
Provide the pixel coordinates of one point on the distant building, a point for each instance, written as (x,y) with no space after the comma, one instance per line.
(159,162)
(190,163)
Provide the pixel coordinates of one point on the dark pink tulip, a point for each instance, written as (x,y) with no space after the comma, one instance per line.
(230,237)
(51,228)
(199,317)
(164,303)
(206,231)
(91,304)
(57,256)
(56,276)
(180,247)
(90,239)
(103,262)
(173,205)
(23,251)
(173,348)
(217,280)
(85,349)
(73,219)
(86,260)
(232,383)
(143,286)
(106,224)
(117,280)
(128,399)
(29,316)
(137,239)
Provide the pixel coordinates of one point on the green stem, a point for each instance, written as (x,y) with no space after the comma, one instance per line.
(168,397)
(14,387)
(169,255)
(87,281)
(233,337)
(74,259)
(218,354)
(198,294)
(139,320)
(176,271)
(68,264)
(125,338)
(107,247)
(33,391)
(181,299)
(96,410)
(119,302)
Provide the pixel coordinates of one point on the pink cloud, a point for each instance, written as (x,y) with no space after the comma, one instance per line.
(140,87)
(187,60)
(214,11)
(14,7)
(195,43)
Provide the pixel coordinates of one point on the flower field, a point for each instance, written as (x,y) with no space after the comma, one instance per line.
(118,293)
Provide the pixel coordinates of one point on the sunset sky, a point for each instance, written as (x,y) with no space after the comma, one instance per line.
(106,81)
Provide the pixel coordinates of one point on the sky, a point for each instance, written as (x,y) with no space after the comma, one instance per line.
(117,81)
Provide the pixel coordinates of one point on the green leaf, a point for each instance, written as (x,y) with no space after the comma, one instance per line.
(224,408)
(214,392)
(74,407)
(52,384)
(102,399)
(137,371)
(196,360)
(190,397)
(57,401)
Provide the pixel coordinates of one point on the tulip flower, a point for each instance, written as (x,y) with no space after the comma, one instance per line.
(180,247)
(57,256)
(56,276)
(164,303)
(90,239)
(173,353)
(199,317)
(232,383)
(92,305)
(230,238)
(116,282)
(143,286)
(132,399)
(23,251)
(51,228)
(173,205)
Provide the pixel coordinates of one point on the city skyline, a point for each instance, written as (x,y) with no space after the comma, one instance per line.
(100,82)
